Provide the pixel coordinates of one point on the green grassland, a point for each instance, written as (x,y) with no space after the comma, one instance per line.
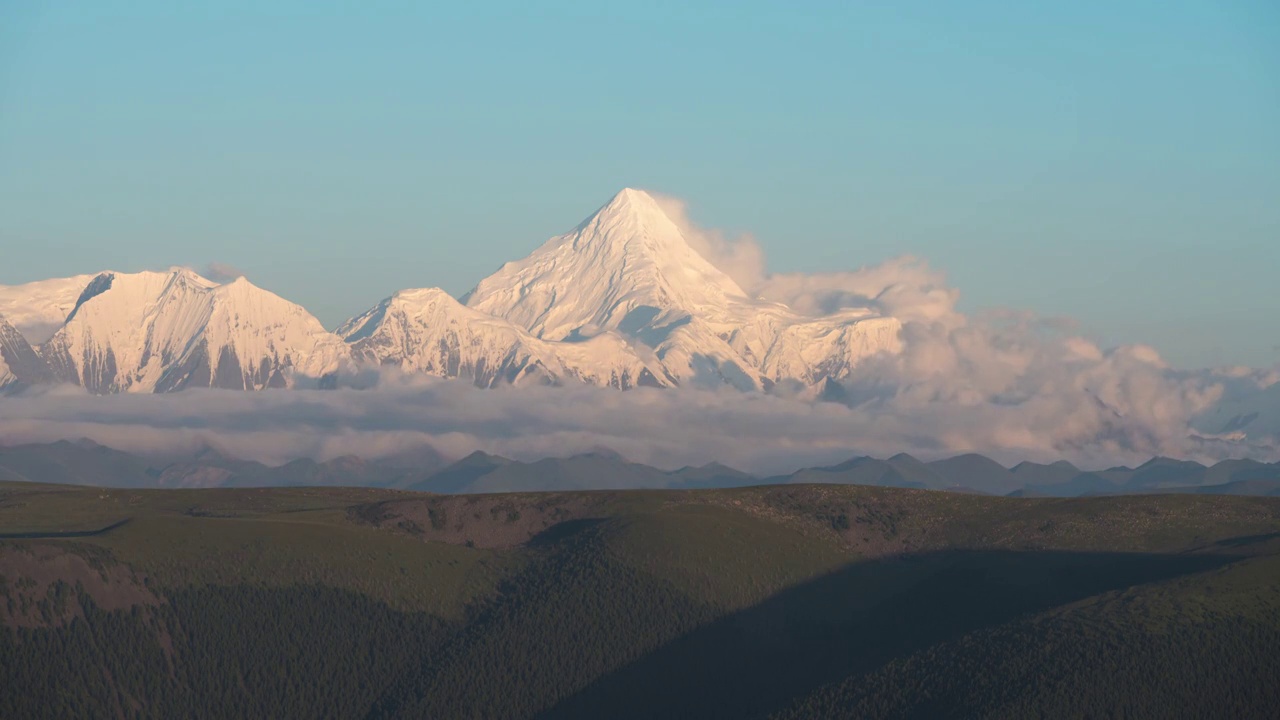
(775,601)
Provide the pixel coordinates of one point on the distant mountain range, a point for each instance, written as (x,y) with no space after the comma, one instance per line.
(84,462)
(622,300)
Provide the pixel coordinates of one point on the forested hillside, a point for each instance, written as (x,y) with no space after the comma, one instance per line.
(776,601)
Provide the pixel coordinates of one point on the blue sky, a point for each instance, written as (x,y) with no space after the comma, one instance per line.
(1115,162)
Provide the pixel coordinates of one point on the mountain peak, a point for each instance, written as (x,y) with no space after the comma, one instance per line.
(627,264)
(635,223)
(161,331)
(631,203)
(430,294)
(186,278)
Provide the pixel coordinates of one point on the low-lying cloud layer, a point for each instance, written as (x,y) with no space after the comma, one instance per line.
(663,428)
(1009,385)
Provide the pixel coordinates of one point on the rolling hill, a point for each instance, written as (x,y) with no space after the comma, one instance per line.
(756,602)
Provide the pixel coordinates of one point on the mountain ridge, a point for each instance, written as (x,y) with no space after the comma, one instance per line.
(84,462)
(165,331)
(628,272)
(623,300)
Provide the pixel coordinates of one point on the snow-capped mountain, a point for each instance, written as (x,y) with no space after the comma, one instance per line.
(626,267)
(629,270)
(428,331)
(163,331)
(623,300)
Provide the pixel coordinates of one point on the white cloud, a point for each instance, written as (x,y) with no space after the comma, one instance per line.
(221,272)
(1125,415)
(1030,383)
(904,287)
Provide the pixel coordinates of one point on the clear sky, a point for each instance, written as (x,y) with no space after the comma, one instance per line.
(1117,162)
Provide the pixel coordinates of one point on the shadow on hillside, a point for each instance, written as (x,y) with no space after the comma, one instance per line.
(1248,540)
(564,530)
(757,661)
(63,534)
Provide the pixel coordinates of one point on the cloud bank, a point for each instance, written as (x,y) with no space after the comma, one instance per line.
(664,428)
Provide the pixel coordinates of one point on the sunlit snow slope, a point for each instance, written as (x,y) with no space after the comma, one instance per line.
(428,331)
(163,331)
